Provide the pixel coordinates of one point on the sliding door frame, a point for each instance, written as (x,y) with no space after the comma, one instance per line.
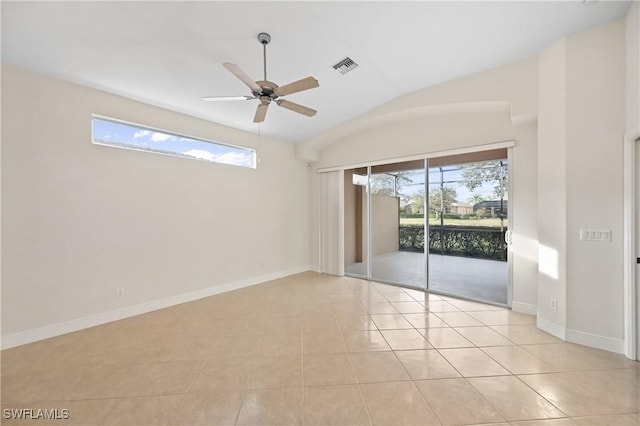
(427,237)
(509,233)
(498,145)
(631,282)
(369,239)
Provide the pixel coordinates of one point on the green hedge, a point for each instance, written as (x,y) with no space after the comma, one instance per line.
(478,242)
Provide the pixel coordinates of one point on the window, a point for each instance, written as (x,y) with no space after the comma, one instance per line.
(131,136)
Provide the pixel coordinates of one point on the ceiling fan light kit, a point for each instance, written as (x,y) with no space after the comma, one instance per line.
(266,91)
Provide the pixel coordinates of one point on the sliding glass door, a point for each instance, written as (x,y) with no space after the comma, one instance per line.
(397,224)
(385,223)
(436,224)
(467,227)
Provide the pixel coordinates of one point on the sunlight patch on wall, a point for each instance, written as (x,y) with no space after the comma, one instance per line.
(525,247)
(548,261)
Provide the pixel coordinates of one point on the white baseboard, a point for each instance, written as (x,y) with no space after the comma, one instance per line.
(595,341)
(581,337)
(551,328)
(53,330)
(315,268)
(524,308)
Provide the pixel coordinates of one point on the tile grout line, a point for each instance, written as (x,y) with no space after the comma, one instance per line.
(427,311)
(246,387)
(541,396)
(415,386)
(462,376)
(199,372)
(362,398)
(512,375)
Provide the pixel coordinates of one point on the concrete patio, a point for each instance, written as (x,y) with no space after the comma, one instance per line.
(461,276)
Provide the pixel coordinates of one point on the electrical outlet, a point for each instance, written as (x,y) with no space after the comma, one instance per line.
(554,304)
(119,292)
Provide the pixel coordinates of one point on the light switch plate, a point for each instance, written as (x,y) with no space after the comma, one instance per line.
(595,234)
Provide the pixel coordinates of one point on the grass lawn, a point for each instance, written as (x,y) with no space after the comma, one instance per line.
(493,222)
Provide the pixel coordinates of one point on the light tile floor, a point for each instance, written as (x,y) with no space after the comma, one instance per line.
(319,350)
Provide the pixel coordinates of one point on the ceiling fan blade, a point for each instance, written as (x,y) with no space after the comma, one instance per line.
(226,98)
(235,70)
(297,86)
(296,107)
(261,112)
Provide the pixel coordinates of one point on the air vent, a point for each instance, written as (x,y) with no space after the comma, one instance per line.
(345,65)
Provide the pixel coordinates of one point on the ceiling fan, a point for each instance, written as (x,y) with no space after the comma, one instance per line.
(266,91)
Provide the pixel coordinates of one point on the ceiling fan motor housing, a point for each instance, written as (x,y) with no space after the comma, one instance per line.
(267,87)
(265,100)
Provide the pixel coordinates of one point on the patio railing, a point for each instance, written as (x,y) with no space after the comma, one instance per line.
(478,242)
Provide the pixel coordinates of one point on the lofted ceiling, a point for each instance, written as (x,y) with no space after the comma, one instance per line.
(170,53)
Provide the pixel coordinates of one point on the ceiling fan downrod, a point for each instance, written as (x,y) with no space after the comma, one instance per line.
(266,91)
(264,39)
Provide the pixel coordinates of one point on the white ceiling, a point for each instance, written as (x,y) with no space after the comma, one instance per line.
(170,53)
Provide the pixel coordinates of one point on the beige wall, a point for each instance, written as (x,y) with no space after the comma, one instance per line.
(433,131)
(633,68)
(524,207)
(595,75)
(514,83)
(80,220)
(552,191)
(580,153)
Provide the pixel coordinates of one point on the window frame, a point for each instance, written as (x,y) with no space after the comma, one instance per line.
(142,127)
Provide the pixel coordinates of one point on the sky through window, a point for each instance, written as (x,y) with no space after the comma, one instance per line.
(118,134)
